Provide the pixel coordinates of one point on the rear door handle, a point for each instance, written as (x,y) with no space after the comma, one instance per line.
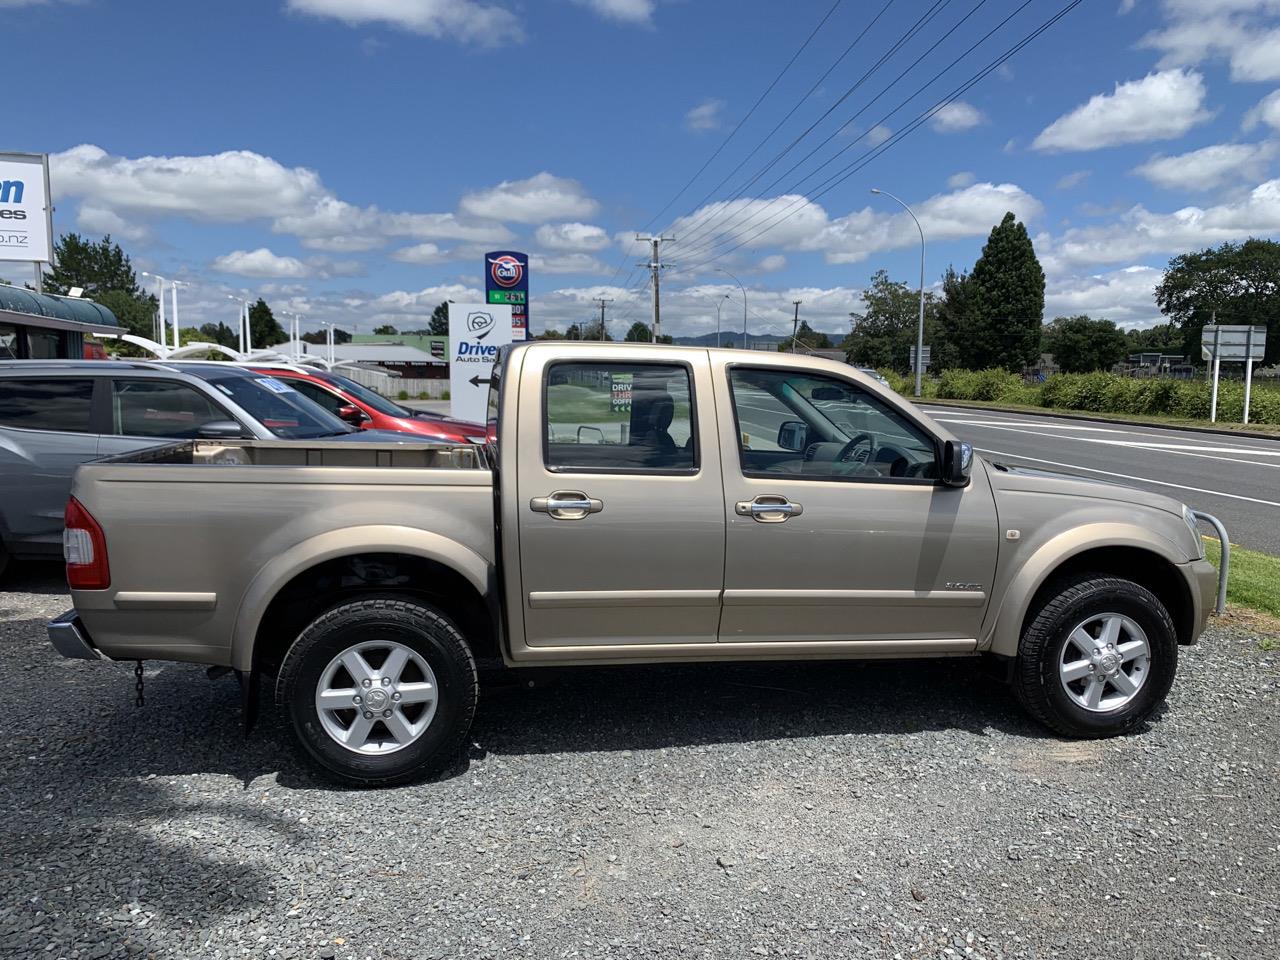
(566,505)
(768,508)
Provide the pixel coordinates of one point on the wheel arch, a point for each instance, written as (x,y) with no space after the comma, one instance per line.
(1133,554)
(318,573)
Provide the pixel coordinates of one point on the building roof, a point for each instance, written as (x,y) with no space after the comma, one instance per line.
(41,309)
(367,352)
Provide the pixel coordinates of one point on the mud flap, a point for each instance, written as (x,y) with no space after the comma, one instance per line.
(248,699)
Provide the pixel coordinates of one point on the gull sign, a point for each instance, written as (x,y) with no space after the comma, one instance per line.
(25,215)
(476,331)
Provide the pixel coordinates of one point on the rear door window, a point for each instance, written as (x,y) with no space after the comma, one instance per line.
(330,401)
(160,408)
(61,404)
(619,418)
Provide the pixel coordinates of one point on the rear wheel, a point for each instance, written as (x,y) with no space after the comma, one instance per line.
(1097,658)
(380,691)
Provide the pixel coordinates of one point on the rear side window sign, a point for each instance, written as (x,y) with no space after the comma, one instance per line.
(61,404)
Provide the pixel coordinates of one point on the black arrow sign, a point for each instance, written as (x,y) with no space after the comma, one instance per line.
(477,380)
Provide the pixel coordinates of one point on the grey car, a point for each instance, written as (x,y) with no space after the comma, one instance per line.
(55,415)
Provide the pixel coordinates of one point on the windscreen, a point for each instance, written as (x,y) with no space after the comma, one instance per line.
(280,408)
(368,397)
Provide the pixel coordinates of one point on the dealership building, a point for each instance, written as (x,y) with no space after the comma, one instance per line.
(39,326)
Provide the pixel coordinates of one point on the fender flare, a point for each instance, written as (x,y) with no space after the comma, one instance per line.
(1011,608)
(349,541)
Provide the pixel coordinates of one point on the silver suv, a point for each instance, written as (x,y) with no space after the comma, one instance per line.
(55,415)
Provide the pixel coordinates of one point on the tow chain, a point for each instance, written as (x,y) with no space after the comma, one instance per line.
(137,684)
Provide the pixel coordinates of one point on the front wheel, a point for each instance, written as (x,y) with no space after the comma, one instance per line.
(381,691)
(1097,658)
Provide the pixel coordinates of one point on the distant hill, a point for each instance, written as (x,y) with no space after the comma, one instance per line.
(729,338)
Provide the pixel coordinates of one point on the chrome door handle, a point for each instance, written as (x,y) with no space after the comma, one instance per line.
(768,508)
(566,505)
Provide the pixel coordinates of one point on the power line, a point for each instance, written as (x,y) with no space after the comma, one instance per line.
(854,166)
(709,240)
(699,226)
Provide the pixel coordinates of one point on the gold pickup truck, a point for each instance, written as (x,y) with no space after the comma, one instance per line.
(636,504)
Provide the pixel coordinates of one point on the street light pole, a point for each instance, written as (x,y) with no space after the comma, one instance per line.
(744,302)
(719,304)
(162,334)
(246,336)
(920,329)
(173,291)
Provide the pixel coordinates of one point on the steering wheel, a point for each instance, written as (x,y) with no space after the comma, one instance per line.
(846,454)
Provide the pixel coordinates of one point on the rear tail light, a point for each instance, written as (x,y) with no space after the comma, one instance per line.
(85,549)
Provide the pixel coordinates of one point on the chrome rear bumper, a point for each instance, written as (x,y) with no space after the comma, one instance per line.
(68,636)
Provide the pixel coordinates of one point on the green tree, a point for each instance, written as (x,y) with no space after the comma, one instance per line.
(1232,283)
(318,337)
(264,328)
(954,315)
(219,333)
(1161,338)
(439,326)
(638,332)
(807,336)
(107,276)
(885,331)
(386,330)
(1003,328)
(1081,344)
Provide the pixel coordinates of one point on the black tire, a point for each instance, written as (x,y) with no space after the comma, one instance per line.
(415,625)
(1036,679)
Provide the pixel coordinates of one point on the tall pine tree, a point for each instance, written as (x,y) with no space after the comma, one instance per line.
(1007,301)
(105,273)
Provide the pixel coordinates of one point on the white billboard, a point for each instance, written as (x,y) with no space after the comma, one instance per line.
(25,214)
(476,331)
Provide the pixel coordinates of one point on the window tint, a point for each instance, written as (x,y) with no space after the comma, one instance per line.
(160,408)
(815,427)
(619,417)
(329,401)
(58,403)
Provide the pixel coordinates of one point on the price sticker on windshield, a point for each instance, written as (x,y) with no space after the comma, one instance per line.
(274,385)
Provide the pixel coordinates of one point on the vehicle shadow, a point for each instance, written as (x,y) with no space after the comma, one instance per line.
(192,725)
(34,576)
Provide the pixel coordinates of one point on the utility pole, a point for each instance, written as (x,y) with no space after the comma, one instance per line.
(602,301)
(795,324)
(655,265)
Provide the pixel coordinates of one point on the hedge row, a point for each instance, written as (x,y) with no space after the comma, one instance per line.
(1109,393)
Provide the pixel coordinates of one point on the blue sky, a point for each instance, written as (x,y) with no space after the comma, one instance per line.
(351,160)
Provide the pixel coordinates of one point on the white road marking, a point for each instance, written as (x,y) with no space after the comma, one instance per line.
(1173,448)
(1122,476)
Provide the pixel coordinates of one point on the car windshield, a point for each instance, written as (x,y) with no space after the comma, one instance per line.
(280,408)
(368,397)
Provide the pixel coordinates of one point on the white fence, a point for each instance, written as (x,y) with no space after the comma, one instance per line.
(390,386)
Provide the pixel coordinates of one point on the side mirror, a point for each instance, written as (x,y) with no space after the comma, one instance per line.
(957,463)
(793,435)
(220,430)
(351,414)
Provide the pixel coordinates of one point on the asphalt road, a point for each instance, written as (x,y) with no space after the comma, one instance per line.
(1237,479)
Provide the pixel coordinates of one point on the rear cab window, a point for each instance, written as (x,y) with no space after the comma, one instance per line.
(617,417)
(60,404)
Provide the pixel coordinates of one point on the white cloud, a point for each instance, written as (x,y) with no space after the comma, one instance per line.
(1266,111)
(261,263)
(1139,232)
(957,116)
(878,134)
(705,116)
(540,198)
(1210,167)
(333,224)
(422,253)
(573,237)
(226,187)
(958,181)
(1236,31)
(465,20)
(626,11)
(1126,296)
(772,263)
(95,219)
(1071,180)
(567,263)
(1160,106)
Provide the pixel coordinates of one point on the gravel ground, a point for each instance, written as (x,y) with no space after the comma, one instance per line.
(852,810)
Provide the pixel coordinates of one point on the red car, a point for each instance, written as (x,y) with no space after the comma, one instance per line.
(362,407)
